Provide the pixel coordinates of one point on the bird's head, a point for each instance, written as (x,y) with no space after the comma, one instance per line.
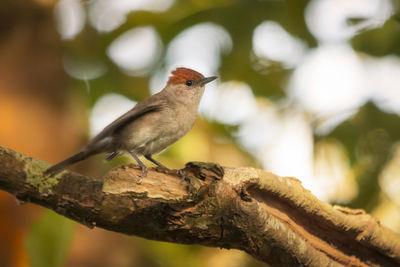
(189,78)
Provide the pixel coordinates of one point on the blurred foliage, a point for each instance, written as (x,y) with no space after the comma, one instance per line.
(48,240)
(368,137)
(90,45)
(161,254)
(44,113)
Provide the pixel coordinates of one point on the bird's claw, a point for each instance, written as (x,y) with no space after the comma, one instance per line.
(181,173)
(142,175)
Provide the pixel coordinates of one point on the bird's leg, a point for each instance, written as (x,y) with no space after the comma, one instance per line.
(112,155)
(181,173)
(142,166)
(148,157)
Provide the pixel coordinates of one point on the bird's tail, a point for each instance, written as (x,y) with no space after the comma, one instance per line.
(65,163)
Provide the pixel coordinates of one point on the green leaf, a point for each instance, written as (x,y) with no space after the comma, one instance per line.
(49,239)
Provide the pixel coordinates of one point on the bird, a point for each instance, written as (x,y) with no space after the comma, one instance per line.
(151,125)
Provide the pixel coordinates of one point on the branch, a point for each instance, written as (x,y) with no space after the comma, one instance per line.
(272,218)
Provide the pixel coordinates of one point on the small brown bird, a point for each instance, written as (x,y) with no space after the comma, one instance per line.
(151,126)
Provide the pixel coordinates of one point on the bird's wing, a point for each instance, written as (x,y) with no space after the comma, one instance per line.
(147,106)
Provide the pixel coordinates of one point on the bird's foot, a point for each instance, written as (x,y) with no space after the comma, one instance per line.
(181,173)
(178,172)
(143,174)
(142,167)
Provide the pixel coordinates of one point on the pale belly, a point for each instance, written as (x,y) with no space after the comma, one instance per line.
(157,145)
(145,139)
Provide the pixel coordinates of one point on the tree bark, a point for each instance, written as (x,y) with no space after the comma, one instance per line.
(272,218)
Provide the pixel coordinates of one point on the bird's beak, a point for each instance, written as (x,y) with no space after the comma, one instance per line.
(207,80)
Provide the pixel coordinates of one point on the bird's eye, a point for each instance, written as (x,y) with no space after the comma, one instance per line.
(188,83)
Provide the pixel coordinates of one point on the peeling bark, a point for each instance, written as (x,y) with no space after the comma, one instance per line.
(274,219)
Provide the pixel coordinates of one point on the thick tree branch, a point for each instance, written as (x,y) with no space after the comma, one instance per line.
(272,218)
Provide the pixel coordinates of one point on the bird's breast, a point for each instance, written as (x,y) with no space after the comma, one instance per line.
(156,131)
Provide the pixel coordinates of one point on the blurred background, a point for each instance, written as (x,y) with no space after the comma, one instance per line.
(309,89)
